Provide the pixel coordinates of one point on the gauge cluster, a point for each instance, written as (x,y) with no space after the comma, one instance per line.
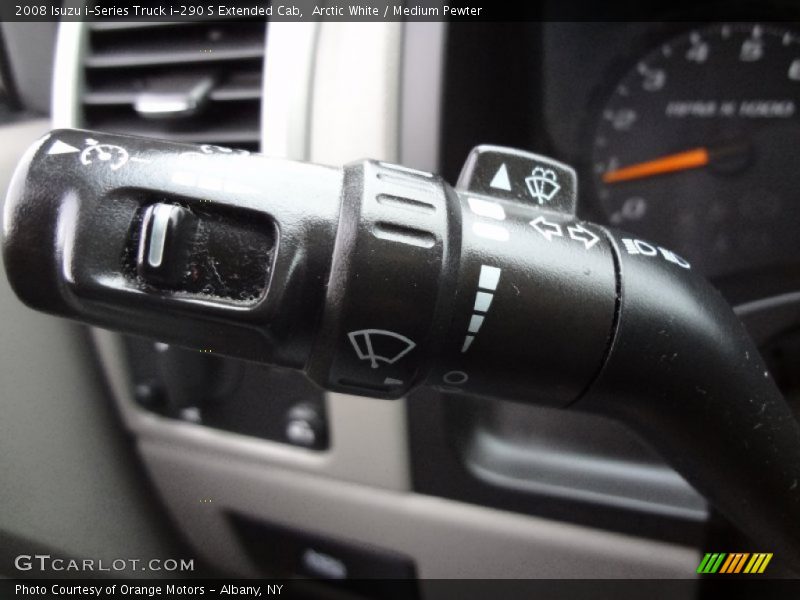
(686,134)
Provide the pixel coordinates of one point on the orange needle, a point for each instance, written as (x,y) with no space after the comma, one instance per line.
(690,159)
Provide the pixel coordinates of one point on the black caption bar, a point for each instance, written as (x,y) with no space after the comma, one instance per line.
(278,10)
(387,10)
(467,589)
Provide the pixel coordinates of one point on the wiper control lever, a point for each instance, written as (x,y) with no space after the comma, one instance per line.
(376,279)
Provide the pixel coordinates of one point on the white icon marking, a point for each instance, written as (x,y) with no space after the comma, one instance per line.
(580,234)
(60,147)
(489,277)
(486,208)
(500,181)
(547,228)
(140,159)
(483,301)
(214,149)
(674,258)
(467,343)
(392,381)
(475,323)
(640,247)
(491,232)
(455,377)
(114,156)
(363,339)
(630,246)
(542,184)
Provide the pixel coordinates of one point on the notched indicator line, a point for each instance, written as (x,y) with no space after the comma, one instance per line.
(488,281)
(403,182)
(489,231)
(489,277)
(487,208)
(475,323)
(407,170)
(406,203)
(392,232)
(482,302)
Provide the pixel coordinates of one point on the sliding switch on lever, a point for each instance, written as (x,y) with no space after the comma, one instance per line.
(376,279)
(165,244)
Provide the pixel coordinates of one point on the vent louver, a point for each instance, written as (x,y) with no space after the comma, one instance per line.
(194,82)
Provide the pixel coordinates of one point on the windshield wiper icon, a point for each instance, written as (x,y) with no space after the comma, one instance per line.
(380,345)
(542,184)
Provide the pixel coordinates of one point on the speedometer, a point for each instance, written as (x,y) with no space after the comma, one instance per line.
(698,147)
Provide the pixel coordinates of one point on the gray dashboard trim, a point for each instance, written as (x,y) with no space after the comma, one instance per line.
(71,484)
(370,437)
(67,75)
(447,539)
(286,106)
(421,105)
(30,49)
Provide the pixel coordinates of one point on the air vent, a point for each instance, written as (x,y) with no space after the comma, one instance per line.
(196,82)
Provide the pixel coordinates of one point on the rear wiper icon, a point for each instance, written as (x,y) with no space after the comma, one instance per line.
(380,345)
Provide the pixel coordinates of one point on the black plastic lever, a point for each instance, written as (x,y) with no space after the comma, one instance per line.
(376,279)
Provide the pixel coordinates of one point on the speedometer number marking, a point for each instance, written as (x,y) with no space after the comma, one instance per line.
(794,70)
(698,49)
(753,47)
(653,80)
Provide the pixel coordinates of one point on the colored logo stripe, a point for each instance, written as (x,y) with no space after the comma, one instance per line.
(758,563)
(711,562)
(721,562)
(734,563)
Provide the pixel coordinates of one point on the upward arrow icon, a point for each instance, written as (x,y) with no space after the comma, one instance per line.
(500,180)
(60,147)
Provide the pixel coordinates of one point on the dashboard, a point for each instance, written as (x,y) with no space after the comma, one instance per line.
(682,132)
(707,113)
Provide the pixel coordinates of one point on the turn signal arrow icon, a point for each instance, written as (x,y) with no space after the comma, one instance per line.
(580,234)
(547,228)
